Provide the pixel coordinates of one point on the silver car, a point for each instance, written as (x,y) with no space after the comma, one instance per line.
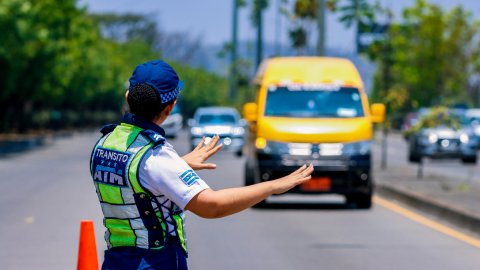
(222,121)
(173,124)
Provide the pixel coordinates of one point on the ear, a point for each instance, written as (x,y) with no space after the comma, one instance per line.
(170,107)
(126,96)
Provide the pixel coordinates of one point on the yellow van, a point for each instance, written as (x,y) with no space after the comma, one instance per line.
(312,110)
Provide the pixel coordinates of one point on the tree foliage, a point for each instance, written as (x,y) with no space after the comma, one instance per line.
(431,56)
(356,11)
(54,57)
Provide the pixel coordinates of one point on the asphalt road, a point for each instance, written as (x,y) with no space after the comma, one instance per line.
(46,192)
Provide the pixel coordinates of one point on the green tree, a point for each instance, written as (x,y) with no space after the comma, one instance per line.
(54,57)
(433,56)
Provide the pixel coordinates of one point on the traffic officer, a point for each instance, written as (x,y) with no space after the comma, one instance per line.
(144,187)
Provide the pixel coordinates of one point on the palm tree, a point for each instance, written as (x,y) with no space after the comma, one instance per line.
(359,12)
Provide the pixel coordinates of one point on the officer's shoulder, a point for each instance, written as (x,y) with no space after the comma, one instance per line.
(166,150)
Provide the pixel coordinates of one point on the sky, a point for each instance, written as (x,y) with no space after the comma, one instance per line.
(212,19)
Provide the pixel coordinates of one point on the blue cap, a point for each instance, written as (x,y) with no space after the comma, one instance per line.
(161,76)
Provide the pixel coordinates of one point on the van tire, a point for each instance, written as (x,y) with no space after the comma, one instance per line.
(260,205)
(363,201)
(249,176)
(470,160)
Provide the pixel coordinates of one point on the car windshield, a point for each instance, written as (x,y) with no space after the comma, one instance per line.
(308,102)
(216,119)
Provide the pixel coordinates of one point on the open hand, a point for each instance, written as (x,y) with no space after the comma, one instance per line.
(201,153)
(296,178)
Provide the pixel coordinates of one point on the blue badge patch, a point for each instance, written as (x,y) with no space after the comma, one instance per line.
(109,167)
(189,177)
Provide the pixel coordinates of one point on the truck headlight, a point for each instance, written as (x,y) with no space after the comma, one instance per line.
(464,138)
(476,130)
(238,131)
(433,138)
(197,131)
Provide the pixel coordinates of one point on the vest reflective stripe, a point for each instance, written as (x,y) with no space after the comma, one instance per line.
(180,220)
(127,196)
(128,209)
(122,211)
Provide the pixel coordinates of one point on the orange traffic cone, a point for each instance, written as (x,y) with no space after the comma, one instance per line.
(87,250)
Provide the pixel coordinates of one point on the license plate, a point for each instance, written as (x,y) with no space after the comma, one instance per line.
(317,184)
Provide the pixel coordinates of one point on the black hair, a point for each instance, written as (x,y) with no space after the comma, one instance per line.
(144,101)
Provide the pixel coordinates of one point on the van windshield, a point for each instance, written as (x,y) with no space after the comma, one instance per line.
(308,102)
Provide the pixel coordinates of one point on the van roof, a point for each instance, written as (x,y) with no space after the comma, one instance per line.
(308,70)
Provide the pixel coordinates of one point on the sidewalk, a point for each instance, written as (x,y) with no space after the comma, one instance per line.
(446,186)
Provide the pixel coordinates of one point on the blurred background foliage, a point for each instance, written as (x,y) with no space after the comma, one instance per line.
(435,117)
(429,57)
(64,68)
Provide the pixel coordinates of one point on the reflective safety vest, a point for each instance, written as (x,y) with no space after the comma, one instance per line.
(132,214)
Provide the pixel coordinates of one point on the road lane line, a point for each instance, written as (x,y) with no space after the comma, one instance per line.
(427,222)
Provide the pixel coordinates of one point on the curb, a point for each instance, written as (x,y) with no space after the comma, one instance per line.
(445,211)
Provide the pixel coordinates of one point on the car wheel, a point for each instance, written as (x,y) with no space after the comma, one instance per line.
(363,201)
(415,158)
(239,153)
(471,160)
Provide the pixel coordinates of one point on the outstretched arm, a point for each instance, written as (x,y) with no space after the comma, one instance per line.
(222,203)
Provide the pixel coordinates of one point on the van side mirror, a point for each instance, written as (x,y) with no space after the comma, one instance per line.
(250,112)
(191,122)
(378,112)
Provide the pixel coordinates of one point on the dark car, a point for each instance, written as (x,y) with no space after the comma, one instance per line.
(443,136)
(223,121)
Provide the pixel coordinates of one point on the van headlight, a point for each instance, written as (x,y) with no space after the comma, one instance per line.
(280,148)
(197,131)
(361,148)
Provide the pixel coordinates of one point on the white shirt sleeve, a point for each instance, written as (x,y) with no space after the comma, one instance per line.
(163,172)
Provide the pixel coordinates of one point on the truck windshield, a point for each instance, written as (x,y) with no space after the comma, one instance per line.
(309,102)
(216,119)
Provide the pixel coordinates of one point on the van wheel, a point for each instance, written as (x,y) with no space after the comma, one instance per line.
(239,153)
(249,176)
(262,204)
(363,201)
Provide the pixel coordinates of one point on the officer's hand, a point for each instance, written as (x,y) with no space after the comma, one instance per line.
(296,178)
(201,153)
